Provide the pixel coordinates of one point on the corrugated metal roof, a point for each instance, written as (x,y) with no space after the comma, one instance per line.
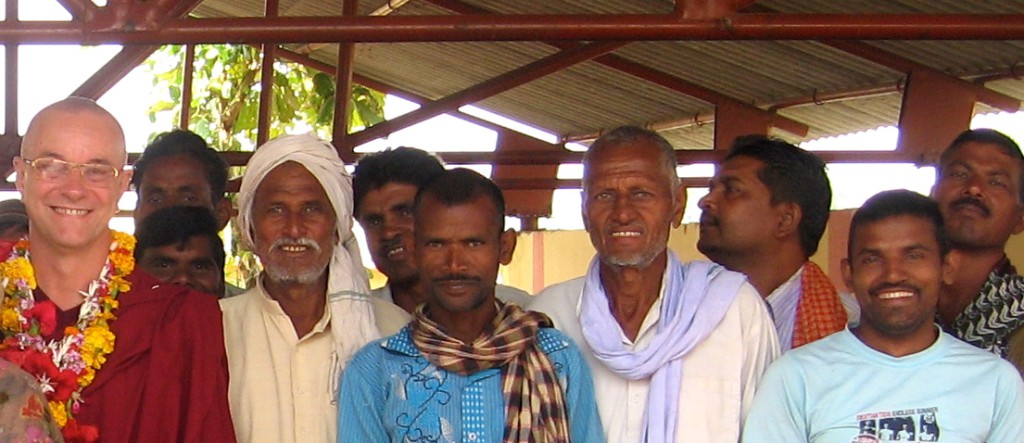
(589,97)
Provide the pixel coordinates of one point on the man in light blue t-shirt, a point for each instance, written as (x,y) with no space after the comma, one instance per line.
(896,376)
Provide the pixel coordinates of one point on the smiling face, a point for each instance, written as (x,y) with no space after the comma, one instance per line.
(737,196)
(70,213)
(630,204)
(192,264)
(896,269)
(294,226)
(978,191)
(459,249)
(386,216)
(176,180)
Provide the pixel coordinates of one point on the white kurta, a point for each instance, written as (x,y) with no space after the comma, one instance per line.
(720,375)
(280,387)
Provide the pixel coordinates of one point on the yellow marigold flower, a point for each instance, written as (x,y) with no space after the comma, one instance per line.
(85,379)
(99,342)
(9,320)
(18,269)
(59,412)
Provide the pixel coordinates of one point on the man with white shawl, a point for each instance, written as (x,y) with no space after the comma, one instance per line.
(676,349)
(289,337)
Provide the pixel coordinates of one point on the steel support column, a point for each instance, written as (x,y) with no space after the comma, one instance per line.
(343,85)
(488,88)
(266,82)
(187,76)
(935,109)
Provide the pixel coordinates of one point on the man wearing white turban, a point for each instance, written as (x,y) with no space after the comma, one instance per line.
(289,337)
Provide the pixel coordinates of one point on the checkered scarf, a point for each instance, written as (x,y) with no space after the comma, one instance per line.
(819,312)
(534,404)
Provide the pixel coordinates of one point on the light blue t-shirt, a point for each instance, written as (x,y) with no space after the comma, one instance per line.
(391,393)
(839,390)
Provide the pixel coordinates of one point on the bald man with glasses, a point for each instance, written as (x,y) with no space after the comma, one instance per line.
(139,360)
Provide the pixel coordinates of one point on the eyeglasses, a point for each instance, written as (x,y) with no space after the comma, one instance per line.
(56,170)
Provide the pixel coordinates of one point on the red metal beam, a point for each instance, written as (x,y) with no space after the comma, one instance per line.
(10,79)
(899,63)
(488,88)
(115,70)
(343,85)
(590,27)
(77,8)
(189,66)
(266,81)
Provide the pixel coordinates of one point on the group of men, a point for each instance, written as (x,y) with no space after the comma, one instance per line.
(643,348)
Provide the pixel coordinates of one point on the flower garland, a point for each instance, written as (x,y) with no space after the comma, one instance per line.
(66,366)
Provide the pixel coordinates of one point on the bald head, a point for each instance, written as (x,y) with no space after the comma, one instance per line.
(84,111)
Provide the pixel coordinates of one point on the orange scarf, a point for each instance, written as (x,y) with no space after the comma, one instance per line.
(819,312)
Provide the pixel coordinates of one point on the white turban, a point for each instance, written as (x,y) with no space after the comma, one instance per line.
(347,286)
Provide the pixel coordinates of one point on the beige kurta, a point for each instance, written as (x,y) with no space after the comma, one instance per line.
(280,386)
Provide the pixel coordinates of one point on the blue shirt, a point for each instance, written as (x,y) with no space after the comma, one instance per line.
(839,390)
(391,393)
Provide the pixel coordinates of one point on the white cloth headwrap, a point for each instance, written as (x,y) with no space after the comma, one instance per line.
(352,321)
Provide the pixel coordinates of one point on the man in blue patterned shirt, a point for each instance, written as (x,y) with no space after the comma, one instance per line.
(468,367)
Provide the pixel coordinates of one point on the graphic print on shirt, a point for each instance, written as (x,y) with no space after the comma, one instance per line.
(902,425)
(421,388)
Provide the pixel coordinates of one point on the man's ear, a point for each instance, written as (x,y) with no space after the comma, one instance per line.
(847,273)
(19,168)
(1019,226)
(222,212)
(790,215)
(679,206)
(950,264)
(508,246)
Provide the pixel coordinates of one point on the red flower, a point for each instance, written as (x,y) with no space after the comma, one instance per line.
(6,246)
(45,314)
(76,433)
(41,366)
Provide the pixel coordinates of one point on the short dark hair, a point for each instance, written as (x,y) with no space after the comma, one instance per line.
(628,134)
(187,143)
(895,203)
(175,225)
(991,137)
(403,165)
(792,175)
(459,186)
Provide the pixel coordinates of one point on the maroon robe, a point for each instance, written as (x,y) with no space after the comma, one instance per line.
(167,379)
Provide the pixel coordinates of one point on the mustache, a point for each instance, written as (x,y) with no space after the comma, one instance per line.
(885,287)
(392,243)
(301,241)
(708,219)
(456,277)
(968,200)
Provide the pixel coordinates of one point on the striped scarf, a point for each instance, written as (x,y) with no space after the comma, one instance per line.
(819,312)
(996,313)
(534,403)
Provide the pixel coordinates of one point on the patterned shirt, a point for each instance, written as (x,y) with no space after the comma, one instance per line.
(24,415)
(391,393)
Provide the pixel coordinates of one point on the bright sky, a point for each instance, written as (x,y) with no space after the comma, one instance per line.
(50,73)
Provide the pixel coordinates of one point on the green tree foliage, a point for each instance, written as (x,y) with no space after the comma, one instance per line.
(226,89)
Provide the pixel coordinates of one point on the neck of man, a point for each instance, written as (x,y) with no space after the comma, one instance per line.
(898,345)
(408,294)
(465,326)
(972,269)
(303,303)
(632,291)
(63,274)
(767,271)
